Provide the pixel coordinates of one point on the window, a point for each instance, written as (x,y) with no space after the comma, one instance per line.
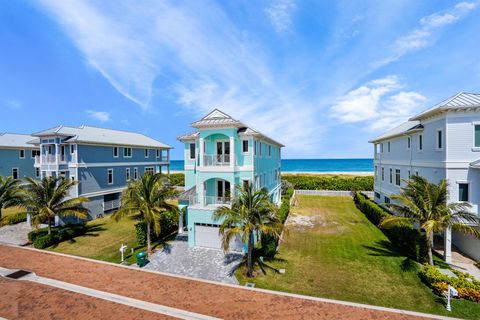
(21,154)
(387,200)
(408,174)
(463,192)
(381,147)
(383,174)
(115,152)
(260,149)
(15,173)
(397,177)
(246,183)
(110,176)
(158,153)
(269,151)
(439,140)
(388,146)
(147,153)
(420,142)
(35,153)
(375,172)
(255,147)
(477,135)
(37,172)
(391,175)
(192,150)
(245,146)
(409,143)
(416,173)
(135,173)
(127,174)
(127,152)
(72,148)
(377,195)
(149,170)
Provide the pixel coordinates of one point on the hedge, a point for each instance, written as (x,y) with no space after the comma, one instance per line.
(467,286)
(177,179)
(408,240)
(330,182)
(168,224)
(41,239)
(13,219)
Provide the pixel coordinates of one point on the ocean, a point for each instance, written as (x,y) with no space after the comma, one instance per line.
(311,165)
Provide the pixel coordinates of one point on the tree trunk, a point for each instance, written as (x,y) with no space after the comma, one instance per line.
(249,255)
(49,225)
(430,246)
(0,213)
(149,245)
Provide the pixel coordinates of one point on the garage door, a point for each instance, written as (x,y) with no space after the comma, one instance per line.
(208,236)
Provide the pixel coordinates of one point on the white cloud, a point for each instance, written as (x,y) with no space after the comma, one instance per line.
(279,13)
(101,116)
(12,103)
(427,32)
(380,104)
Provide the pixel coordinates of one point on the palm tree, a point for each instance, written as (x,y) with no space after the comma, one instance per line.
(251,212)
(9,193)
(425,203)
(48,198)
(146,199)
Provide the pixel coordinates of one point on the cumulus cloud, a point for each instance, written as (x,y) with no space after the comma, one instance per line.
(380,103)
(280,14)
(101,116)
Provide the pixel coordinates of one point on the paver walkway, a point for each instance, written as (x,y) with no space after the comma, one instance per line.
(202,297)
(16,234)
(202,263)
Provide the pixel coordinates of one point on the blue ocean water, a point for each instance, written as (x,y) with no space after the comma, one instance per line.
(311,165)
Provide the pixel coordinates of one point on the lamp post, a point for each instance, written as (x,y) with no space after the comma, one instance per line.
(123,248)
(451,292)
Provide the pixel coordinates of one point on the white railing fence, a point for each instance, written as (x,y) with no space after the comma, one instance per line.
(332,193)
(210,200)
(216,160)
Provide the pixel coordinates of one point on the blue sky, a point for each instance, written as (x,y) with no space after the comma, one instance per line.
(323,77)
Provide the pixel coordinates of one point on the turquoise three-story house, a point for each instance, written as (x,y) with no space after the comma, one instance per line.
(220,155)
(17,156)
(102,160)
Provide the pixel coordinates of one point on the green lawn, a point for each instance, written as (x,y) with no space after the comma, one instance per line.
(344,256)
(10,211)
(103,240)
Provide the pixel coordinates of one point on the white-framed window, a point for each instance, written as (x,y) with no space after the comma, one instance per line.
(21,154)
(420,142)
(397,177)
(72,148)
(245,146)
(149,170)
(391,175)
(15,173)
(147,153)
(192,151)
(476,135)
(37,172)
(135,173)
(439,139)
(110,176)
(115,152)
(127,174)
(127,152)
(463,191)
(409,143)
(35,153)
(157,153)
(388,146)
(383,174)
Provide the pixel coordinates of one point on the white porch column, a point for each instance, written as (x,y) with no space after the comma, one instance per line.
(232,152)
(29,220)
(201,193)
(57,220)
(180,222)
(202,151)
(232,189)
(447,237)
(56,153)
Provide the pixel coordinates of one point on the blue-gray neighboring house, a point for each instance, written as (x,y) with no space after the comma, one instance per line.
(17,156)
(102,160)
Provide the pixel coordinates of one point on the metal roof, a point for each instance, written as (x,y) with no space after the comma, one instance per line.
(462,100)
(14,140)
(95,135)
(188,194)
(217,118)
(406,127)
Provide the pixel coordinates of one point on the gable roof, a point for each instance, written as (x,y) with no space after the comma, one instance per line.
(404,128)
(95,135)
(219,119)
(15,140)
(462,100)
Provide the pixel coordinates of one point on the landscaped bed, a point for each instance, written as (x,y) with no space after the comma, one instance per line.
(333,251)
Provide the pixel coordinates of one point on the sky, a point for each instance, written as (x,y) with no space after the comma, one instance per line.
(322,77)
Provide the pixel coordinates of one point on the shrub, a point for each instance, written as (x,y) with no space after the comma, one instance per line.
(467,286)
(329,182)
(408,240)
(41,239)
(13,218)
(44,241)
(177,179)
(168,223)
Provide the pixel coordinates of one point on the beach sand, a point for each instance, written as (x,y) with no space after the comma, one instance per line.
(352,173)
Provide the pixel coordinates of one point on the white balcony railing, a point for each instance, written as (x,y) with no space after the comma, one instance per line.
(111,205)
(54,158)
(211,160)
(210,200)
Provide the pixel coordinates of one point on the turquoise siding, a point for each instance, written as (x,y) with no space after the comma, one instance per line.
(10,158)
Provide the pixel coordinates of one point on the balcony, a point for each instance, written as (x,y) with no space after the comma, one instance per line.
(210,201)
(211,160)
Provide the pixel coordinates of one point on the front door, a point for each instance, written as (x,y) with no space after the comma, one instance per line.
(223,151)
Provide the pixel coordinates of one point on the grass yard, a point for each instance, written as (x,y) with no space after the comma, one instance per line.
(333,251)
(103,240)
(11,211)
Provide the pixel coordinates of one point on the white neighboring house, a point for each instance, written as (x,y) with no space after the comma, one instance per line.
(442,142)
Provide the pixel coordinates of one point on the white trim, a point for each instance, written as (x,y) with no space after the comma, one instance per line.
(113,152)
(20,151)
(103,192)
(469,191)
(115,164)
(248,146)
(108,176)
(18,173)
(131,152)
(146,153)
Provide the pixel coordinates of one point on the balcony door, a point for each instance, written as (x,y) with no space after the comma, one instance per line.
(223,151)
(223,189)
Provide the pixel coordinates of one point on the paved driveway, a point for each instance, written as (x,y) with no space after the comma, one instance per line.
(203,263)
(16,234)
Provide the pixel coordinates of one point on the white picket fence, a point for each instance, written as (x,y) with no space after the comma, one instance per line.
(331,193)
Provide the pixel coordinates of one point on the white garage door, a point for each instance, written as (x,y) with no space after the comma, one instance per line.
(208,236)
